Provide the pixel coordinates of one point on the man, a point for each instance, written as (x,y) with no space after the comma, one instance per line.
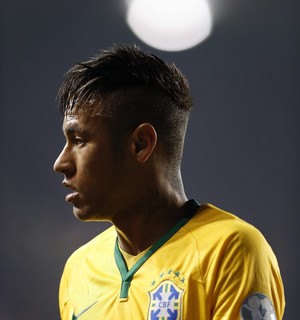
(164,257)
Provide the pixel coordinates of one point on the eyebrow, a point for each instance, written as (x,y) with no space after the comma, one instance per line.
(71,128)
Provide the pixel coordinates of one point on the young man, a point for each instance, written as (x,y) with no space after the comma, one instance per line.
(164,257)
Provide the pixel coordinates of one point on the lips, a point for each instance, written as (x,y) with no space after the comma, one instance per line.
(71,197)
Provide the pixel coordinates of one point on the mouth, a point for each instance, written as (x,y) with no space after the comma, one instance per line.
(70,197)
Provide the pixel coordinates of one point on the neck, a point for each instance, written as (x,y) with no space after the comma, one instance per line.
(150,218)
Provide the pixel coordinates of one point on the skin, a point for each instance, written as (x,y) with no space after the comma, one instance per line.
(133,190)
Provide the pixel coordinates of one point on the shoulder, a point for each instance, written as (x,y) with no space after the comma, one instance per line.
(211,218)
(226,244)
(215,228)
(235,261)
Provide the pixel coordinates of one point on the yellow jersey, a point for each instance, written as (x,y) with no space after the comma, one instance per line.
(209,266)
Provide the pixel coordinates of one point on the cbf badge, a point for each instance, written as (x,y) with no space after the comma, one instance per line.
(258,307)
(165,302)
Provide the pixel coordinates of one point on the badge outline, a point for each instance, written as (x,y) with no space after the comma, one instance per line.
(177,303)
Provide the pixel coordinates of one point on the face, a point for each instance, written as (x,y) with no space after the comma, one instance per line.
(92,171)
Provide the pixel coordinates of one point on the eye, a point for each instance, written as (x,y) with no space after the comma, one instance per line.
(78,141)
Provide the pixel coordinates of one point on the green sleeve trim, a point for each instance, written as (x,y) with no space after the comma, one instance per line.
(127,275)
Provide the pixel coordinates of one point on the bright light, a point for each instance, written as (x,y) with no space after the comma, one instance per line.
(170,25)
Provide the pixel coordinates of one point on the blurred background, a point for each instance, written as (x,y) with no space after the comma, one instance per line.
(242,148)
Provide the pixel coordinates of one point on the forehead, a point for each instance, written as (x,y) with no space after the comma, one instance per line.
(81,120)
(92,106)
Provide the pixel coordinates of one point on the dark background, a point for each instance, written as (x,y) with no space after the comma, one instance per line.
(242,148)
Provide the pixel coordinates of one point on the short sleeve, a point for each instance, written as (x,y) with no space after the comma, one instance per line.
(246,280)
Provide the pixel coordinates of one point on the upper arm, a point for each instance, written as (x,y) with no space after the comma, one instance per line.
(246,279)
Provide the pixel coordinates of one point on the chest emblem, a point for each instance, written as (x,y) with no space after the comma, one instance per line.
(165,302)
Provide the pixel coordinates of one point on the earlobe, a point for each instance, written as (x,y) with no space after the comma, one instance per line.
(144,139)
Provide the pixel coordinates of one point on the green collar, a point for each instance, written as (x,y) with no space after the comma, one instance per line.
(127,275)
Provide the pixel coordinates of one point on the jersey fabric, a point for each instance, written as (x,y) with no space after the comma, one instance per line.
(213,266)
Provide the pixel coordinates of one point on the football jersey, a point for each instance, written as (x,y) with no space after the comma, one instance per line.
(210,265)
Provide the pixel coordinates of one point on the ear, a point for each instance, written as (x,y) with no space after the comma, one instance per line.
(144,139)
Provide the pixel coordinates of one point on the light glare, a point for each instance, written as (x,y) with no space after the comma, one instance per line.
(170,25)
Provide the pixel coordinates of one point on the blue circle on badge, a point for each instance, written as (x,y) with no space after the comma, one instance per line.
(258,306)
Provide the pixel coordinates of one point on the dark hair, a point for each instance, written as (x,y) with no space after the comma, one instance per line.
(131,87)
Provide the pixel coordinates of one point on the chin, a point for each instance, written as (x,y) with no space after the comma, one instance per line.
(86,215)
(82,215)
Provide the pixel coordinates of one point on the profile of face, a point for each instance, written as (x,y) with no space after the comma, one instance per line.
(91,168)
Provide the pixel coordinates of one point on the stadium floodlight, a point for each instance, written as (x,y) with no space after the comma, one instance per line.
(170,25)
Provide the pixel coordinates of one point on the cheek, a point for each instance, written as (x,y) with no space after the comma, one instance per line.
(97,169)
(99,166)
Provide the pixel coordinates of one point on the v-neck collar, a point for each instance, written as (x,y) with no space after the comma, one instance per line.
(127,275)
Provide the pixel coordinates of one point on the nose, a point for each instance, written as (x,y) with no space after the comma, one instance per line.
(65,163)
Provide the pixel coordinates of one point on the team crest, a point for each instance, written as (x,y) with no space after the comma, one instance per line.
(165,302)
(257,306)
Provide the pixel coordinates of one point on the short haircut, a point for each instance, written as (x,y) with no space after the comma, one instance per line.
(132,87)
